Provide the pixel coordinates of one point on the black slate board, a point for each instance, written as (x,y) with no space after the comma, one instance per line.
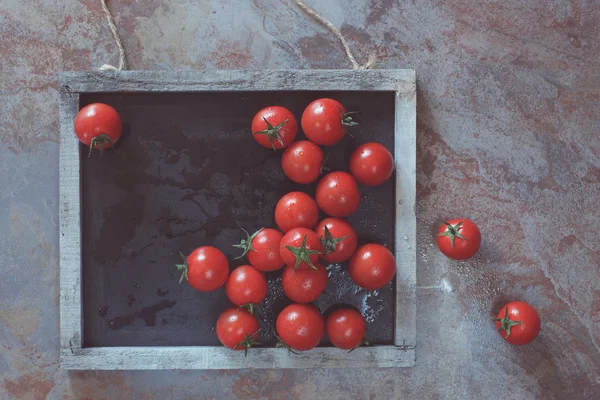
(187,173)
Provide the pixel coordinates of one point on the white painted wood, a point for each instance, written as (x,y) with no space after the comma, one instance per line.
(73,356)
(70,228)
(137,358)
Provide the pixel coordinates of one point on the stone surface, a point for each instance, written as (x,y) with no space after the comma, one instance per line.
(508,122)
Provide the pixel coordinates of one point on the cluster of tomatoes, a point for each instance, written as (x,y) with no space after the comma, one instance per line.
(303,244)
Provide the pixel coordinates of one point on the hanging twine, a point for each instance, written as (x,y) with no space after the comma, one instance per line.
(372,57)
(113,29)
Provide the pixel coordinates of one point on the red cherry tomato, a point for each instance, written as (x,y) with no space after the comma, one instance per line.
(262,249)
(206,269)
(371,164)
(346,328)
(274,127)
(246,286)
(338,238)
(296,210)
(518,323)
(372,266)
(337,194)
(237,329)
(459,239)
(98,126)
(324,121)
(303,285)
(300,326)
(302,161)
(300,247)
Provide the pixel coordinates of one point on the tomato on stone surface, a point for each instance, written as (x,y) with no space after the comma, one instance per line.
(459,239)
(371,164)
(98,126)
(372,266)
(518,323)
(324,121)
(300,326)
(262,249)
(296,210)
(303,285)
(346,328)
(246,286)
(206,269)
(237,329)
(274,127)
(302,161)
(338,238)
(300,248)
(337,194)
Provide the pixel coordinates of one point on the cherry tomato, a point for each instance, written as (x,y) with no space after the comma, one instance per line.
(338,238)
(206,269)
(300,326)
(371,164)
(303,285)
(518,323)
(237,329)
(274,127)
(337,194)
(324,121)
(302,161)
(346,328)
(300,247)
(98,126)
(296,210)
(372,266)
(459,239)
(262,249)
(246,286)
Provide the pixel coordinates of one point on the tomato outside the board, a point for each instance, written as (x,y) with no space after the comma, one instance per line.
(237,329)
(246,286)
(262,249)
(518,323)
(206,269)
(324,121)
(302,161)
(274,127)
(372,266)
(300,248)
(300,327)
(303,285)
(98,126)
(371,164)
(296,210)
(337,194)
(459,239)
(346,328)
(338,238)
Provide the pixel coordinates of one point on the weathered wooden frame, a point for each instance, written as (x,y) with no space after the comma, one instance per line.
(74,356)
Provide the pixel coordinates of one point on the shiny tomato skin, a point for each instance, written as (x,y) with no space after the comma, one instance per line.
(296,210)
(294,238)
(302,161)
(96,119)
(463,249)
(207,269)
(525,332)
(372,266)
(304,285)
(267,256)
(322,122)
(233,325)
(371,164)
(275,115)
(246,285)
(300,326)
(337,194)
(338,228)
(346,328)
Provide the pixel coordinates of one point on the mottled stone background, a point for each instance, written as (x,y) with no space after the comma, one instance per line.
(508,135)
